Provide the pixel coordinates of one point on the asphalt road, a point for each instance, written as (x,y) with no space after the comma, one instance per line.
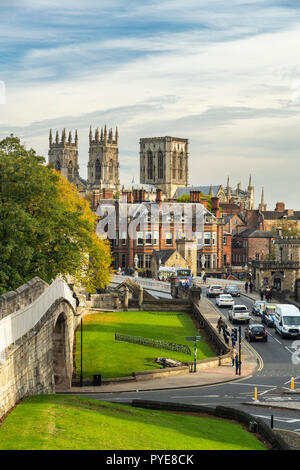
(274,377)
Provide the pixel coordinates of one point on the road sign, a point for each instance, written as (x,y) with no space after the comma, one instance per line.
(193,338)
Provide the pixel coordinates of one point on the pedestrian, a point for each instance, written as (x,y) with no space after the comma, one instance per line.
(204,278)
(251,287)
(233,339)
(233,355)
(76,298)
(220,324)
(237,364)
(270,294)
(261,294)
(246,287)
(267,294)
(200,292)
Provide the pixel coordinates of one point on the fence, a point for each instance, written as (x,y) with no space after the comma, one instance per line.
(17,324)
(154,343)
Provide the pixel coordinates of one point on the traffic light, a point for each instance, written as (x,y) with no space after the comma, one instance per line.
(234,334)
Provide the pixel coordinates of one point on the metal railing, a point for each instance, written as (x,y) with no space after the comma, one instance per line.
(15,326)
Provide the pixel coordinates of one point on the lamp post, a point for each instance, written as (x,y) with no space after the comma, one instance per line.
(81,381)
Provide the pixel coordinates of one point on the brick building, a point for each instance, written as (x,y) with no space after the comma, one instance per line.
(250,245)
(159,234)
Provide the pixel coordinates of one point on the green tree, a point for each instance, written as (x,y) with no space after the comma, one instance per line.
(288,228)
(46,228)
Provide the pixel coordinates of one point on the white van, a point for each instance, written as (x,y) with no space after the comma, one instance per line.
(287,320)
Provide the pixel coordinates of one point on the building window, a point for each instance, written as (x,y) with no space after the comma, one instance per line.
(199,237)
(155,238)
(97,171)
(207,261)
(207,238)
(140,238)
(147,261)
(174,165)
(148,240)
(124,238)
(180,171)
(150,165)
(169,239)
(70,171)
(140,261)
(123,261)
(224,241)
(214,238)
(257,256)
(160,165)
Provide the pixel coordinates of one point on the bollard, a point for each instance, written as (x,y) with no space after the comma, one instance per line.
(292,384)
(255,394)
(272,421)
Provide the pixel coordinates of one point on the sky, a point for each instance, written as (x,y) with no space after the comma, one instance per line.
(225,75)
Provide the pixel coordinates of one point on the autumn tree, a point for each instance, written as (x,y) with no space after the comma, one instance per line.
(46,228)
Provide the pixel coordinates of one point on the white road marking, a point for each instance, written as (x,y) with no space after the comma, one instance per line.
(199,396)
(284,420)
(254,385)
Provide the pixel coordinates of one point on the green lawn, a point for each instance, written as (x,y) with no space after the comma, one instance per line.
(61,422)
(110,358)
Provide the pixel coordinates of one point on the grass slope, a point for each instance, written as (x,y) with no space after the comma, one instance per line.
(61,422)
(103,355)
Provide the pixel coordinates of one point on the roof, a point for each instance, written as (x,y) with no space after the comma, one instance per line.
(271,215)
(164,255)
(204,189)
(255,233)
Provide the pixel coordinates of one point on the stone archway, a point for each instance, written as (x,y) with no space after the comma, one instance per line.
(62,378)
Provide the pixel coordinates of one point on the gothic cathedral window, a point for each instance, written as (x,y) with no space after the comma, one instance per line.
(150,165)
(160,166)
(97,171)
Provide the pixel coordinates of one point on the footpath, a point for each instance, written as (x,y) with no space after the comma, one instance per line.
(203,377)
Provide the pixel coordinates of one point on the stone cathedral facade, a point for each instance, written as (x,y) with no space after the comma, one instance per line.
(164,162)
(103,164)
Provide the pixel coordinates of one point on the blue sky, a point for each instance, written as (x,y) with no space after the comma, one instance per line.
(225,75)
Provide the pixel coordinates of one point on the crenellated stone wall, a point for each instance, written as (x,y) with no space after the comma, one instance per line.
(41,362)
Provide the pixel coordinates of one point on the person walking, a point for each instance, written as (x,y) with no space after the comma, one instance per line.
(270,294)
(267,294)
(220,324)
(261,292)
(237,364)
(246,287)
(233,355)
(251,287)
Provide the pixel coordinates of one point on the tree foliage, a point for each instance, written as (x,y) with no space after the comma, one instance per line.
(46,228)
(288,228)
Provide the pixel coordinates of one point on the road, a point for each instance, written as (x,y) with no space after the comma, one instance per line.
(275,375)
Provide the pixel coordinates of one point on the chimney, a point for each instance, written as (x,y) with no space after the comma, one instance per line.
(158,195)
(203,202)
(280,207)
(215,206)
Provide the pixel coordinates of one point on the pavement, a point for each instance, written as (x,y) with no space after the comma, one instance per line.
(204,377)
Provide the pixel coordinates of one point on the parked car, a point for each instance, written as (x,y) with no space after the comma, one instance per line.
(214,291)
(234,291)
(239,313)
(258,307)
(256,333)
(287,320)
(225,300)
(268,315)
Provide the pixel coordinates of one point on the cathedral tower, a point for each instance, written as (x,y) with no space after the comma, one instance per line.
(164,162)
(103,166)
(63,155)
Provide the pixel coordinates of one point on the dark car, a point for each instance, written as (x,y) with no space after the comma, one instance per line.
(234,291)
(268,315)
(256,333)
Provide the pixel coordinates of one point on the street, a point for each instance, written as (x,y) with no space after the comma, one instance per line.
(271,379)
